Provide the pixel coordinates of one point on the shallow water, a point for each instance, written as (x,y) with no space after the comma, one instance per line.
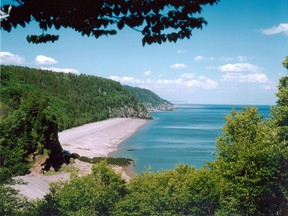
(186,135)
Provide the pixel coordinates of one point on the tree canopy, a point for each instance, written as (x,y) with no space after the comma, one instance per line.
(149,99)
(252,165)
(157,21)
(74,99)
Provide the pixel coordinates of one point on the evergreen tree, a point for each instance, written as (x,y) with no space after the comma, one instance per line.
(25,133)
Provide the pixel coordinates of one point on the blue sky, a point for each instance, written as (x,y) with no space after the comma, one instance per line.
(235,59)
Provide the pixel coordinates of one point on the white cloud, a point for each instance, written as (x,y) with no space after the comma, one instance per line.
(147,73)
(202,82)
(64,70)
(126,80)
(178,66)
(184,81)
(281,28)
(10,58)
(203,58)
(187,75)
(199,58)
(44,60)
(239,67)
(246,78)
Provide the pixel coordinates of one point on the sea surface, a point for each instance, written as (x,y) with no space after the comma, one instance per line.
(186,135)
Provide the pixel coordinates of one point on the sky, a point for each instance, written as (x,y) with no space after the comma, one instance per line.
(235,59)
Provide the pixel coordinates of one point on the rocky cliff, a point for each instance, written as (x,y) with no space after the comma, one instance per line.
(159,107)
(128,112)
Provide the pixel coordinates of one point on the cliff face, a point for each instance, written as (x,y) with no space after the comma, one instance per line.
(128,112)
(159,107)
(150,100)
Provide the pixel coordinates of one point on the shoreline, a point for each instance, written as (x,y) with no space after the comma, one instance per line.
(97,139)
(139,127)
(129,171)
(120,129)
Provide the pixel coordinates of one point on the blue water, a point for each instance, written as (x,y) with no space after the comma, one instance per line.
(186,135)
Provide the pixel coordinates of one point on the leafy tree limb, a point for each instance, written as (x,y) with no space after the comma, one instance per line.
(157,21)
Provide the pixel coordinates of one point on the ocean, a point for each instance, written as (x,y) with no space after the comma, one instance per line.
(186,135)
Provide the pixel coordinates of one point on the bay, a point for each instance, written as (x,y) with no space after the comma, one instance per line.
(186,135)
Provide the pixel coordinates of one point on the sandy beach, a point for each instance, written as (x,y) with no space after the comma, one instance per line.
(100,138)
(91,140)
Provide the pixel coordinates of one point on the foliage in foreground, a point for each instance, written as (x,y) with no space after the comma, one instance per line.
(249,177)
(94,194)
(181,191)
(25,132)
(11,203)
(252,165)
(157,21)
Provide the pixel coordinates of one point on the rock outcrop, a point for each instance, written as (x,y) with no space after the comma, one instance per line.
(128,112)
(159,107)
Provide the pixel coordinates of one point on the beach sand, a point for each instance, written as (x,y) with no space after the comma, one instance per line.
(91,140)
(100,138)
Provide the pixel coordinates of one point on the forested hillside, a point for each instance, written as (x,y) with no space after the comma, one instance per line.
(36,104)
(74,99)
(150,100)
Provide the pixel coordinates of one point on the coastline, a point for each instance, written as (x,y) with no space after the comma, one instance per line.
(97,139)
(100,139)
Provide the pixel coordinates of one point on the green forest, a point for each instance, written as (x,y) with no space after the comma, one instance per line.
(36,104)
(149,99)
(74,99)
(248,177)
